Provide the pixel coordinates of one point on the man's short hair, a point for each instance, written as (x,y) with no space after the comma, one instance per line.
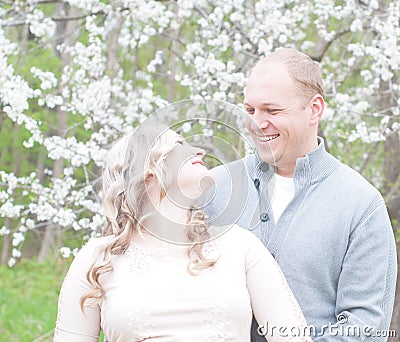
(305,73)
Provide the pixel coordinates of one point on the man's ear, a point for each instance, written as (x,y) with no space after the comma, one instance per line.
(317,106)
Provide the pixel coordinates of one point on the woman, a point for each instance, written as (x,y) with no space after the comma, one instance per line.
(156,274)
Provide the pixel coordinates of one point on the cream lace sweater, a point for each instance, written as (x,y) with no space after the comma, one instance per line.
(150,296)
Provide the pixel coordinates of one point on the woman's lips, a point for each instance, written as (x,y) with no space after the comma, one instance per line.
(198,162)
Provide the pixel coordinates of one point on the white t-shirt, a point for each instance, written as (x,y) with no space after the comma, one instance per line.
(282,195)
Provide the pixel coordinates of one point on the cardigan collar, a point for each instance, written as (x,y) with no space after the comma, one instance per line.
(314,167)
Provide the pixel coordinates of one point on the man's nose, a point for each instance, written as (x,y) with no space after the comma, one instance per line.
(258,120)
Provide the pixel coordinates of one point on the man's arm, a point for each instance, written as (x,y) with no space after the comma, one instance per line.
(367,282)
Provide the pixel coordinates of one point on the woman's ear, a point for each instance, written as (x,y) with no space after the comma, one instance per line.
(150,184)
(154,191)
(149,179)
(317,106)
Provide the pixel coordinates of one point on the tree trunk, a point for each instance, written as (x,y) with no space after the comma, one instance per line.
(112,46)
(391,190)
(52,230)
(14,150)
(172,61)
(5,250)
(395,325)
(24,39)
(64,34)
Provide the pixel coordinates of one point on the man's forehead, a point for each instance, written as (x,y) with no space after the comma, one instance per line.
(268,86)
(260,94)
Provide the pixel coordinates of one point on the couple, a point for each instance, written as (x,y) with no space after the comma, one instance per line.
(323,224)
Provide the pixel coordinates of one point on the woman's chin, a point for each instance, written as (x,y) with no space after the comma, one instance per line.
(195,189)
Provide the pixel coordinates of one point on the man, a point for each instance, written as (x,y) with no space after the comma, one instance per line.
(327,227)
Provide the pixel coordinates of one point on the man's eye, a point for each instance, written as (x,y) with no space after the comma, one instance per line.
(180,142)
(250,111)
(271,111)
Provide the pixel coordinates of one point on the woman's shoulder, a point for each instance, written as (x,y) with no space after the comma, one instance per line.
(236,234)
(95,242)
(86,256)
(89,249)
(238,242)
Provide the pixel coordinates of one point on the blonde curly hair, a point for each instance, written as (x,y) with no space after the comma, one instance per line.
(124,201)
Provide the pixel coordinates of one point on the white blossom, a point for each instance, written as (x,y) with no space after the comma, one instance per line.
(186,127)
(89,5)
(97,222)
(4,231)
(356,25)
(11,262)
(47,78)
(39,25)
(208,132)
(65,252)
(16,253)
(8,209)
(30,224)
(18,238)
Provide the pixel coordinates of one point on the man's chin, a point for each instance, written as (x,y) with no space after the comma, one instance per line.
(267,158)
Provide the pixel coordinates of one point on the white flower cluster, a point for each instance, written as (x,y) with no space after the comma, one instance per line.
(151,67)
(374,56)
(48,79)
(10,210)
(66,252)
(4,231)
(366,134)
(92,6)
(15,92)
(39,25)
(143,20)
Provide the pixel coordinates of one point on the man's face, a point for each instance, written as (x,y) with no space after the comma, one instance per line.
(278,117)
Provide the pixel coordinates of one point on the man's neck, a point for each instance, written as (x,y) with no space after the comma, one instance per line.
(284,172)
(288,169)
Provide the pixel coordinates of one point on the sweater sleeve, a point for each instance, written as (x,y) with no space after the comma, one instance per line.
(366,286)
(73,324)
(274,306)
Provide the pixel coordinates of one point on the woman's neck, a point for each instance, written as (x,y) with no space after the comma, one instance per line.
(168,221)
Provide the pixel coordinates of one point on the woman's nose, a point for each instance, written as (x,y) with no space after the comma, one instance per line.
(200,152)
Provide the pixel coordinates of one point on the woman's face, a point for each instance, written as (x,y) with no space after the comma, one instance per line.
(184,164)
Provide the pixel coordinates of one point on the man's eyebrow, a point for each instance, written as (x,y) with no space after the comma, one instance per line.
(265,104)
(270,104)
